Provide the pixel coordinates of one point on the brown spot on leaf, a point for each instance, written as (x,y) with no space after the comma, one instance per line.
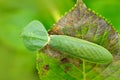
(46,67)
(38,60)
(55,30)
(67,68)
(52,52)
(64,60)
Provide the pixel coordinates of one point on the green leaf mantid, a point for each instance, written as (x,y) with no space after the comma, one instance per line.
(35,37)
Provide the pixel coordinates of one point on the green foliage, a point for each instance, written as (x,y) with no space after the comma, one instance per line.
(49,68)
(83,23)
(107,8)
(16,62)
(63,54)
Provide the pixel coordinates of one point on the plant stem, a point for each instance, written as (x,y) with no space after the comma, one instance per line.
(84,74)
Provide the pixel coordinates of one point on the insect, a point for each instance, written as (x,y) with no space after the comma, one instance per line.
(35,37)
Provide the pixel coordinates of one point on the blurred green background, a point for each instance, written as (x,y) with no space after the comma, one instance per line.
(16,62)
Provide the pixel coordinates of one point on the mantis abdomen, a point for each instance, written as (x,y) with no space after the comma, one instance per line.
(80,48)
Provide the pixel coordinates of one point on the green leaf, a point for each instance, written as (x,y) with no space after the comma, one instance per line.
(35,36)
(83,23)
(49,68)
